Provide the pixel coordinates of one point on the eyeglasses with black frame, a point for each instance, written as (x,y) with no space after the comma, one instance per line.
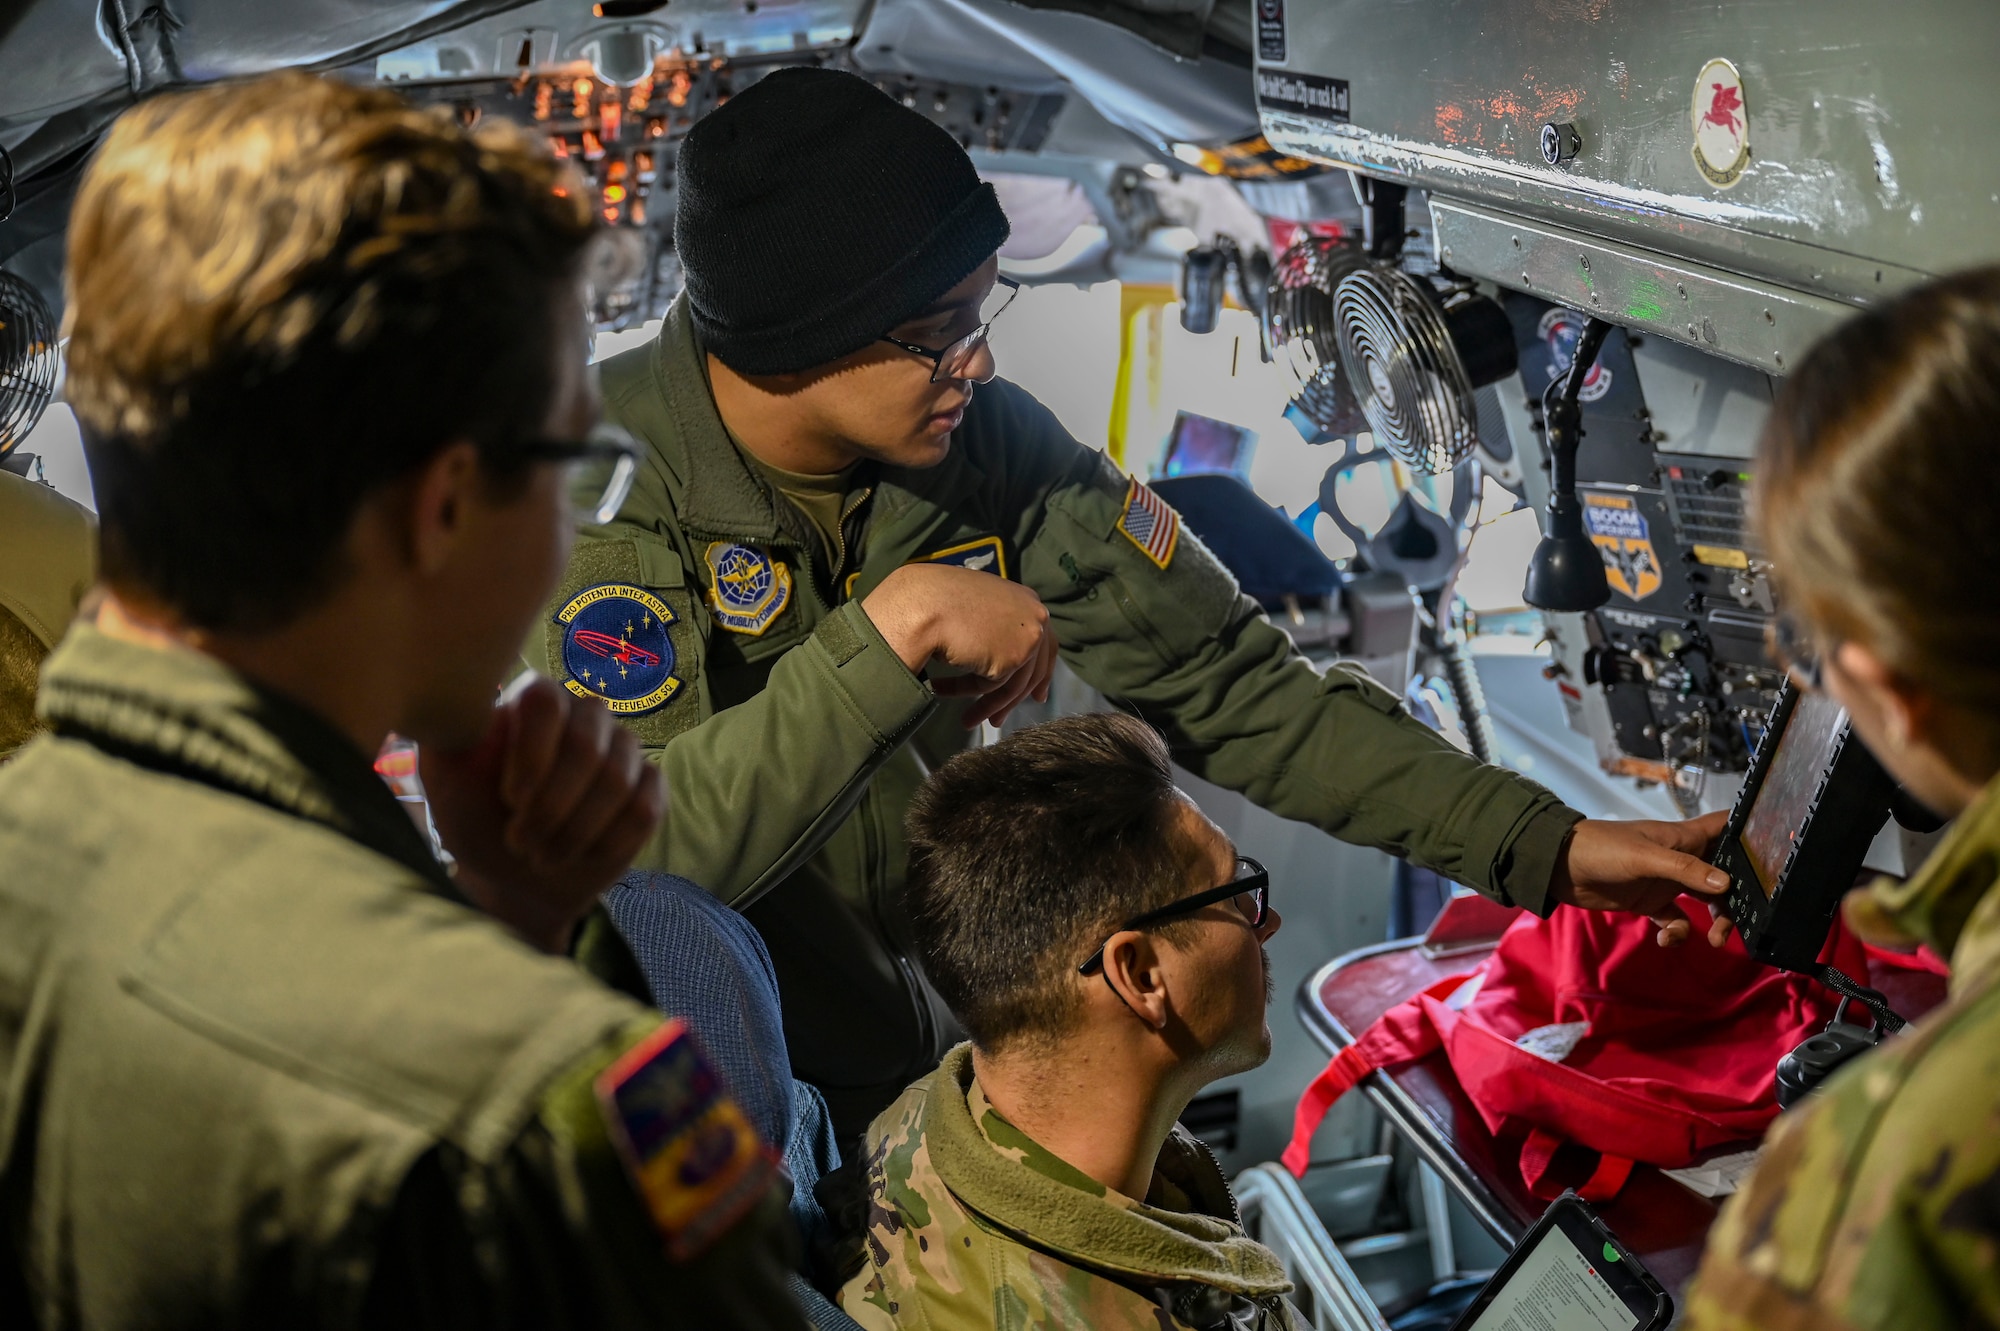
(951,362)
(1250,892)
(598,471)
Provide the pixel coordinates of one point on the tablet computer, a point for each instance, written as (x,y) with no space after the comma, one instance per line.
(1813,801)
(1570,1273)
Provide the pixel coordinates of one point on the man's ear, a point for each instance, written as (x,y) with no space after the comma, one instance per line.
(441,494)
(1132,964)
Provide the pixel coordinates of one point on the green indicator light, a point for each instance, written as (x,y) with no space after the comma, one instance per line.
(1610,1253)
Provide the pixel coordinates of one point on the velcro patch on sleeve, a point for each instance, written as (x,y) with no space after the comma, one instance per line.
(1150,523)
(986,554)
(620,632)
(692,1154)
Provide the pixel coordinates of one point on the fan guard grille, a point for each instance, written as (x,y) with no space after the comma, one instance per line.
(1299,327)
(27,360)
(1399,355)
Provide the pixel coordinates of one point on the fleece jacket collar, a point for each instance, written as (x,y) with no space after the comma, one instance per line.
(1068,1215)
(719,493)
(181,711)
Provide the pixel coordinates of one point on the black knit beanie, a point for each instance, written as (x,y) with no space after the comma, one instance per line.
(816,213)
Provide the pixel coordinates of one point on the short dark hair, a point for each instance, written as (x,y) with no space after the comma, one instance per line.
(1869,495)
(285,294)
(1027,854)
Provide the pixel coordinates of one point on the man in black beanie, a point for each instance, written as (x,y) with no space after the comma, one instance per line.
(844,516)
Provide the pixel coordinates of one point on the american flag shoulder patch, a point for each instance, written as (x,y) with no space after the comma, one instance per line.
(1149,523)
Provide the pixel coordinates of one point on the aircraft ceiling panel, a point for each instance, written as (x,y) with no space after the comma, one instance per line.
(59,54)
(1131,82)
(562,30)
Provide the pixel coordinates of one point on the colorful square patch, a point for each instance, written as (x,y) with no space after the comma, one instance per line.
(691,1153)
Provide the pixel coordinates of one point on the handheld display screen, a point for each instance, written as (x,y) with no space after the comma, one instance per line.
(1805,754)
(1569,1274)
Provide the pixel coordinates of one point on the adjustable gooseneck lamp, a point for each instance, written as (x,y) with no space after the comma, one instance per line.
(1567,572)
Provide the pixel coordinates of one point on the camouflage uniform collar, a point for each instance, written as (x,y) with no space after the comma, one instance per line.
(1001,1175)
(179,711)
(1949,902)
(719,493)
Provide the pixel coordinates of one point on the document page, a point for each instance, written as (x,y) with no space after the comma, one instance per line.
(1557,1288)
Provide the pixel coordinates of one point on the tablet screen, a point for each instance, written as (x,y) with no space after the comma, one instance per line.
(1559,1286)
(1805,751)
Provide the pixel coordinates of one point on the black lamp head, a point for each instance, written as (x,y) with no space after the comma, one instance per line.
(1567,570)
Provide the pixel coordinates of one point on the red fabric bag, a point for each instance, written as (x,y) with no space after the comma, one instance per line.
(1665,1054)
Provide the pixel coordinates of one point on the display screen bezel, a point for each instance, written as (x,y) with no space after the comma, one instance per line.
(1652,1308)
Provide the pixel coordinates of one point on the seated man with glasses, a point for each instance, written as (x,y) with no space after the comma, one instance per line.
(1102,941)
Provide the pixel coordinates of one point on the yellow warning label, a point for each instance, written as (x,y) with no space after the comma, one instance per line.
(1721,556)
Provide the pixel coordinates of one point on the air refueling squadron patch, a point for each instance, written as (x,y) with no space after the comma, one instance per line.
(690,1151)
(1150,523)
(985,555)
(750,588)
(615,648)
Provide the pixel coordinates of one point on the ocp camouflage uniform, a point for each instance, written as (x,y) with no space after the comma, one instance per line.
(974,1227)
(1877,1203)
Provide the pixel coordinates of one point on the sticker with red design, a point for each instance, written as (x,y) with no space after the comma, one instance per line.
(1559,330)
(1721,124)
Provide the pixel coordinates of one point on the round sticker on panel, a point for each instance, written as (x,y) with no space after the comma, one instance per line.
(1559,330)
(750,588)
(615,648)
(1721,124)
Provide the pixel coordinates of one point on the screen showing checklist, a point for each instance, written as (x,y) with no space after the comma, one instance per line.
(1558,1287)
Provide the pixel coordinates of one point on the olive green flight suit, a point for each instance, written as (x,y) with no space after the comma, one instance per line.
(1876,1203)
(973,1225)
(48,557)
(261,1067)
(787,746)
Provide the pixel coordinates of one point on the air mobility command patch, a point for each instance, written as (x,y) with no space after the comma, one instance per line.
(750,588)
(1150,523)
(615,648)
(691,1153)
(984,555)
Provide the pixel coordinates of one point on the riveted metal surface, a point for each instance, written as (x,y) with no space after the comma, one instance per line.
(1870,159)
(1756,323)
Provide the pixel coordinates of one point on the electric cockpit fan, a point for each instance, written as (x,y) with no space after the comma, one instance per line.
(1299,329)
(1415,353)
(27,360)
